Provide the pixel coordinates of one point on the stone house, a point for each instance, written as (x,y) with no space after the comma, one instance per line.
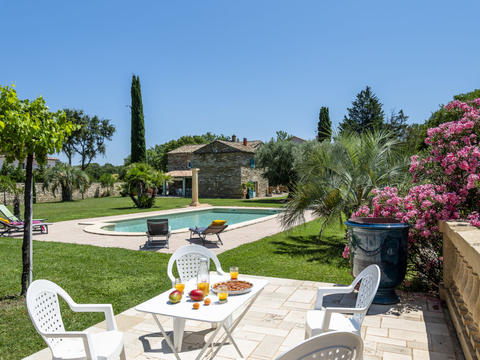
(224,167)
(51,161)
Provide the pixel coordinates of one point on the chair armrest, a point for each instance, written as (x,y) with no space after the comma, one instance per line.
(322,291)
(105,308)
(330,310)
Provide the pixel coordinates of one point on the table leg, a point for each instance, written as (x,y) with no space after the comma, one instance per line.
(178,330)
(209,341)
(232,326)
(167,339)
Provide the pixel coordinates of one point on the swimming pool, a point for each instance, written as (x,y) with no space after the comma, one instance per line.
(184,220)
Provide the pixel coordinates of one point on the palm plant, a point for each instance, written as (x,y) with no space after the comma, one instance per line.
(142,183)
(107,181)
(67,178)
(336,178)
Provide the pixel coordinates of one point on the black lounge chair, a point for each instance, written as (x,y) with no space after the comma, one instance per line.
(202,232)
(156,228)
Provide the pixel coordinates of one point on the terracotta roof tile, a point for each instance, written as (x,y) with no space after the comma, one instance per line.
(186,149)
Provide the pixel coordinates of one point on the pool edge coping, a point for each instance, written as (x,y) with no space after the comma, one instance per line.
(95,227)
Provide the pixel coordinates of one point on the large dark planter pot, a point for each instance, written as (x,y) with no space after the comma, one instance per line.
(383,242)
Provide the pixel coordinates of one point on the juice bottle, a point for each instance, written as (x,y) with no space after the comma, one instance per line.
(203,277)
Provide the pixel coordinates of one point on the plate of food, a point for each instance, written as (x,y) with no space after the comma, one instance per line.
(235,287)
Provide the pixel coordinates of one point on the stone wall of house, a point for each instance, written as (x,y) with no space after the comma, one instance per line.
(179,161)
(220,174)
(94,190)
(255,175)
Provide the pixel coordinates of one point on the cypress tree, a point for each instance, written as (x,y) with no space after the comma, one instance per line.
(366,113)
(139,150)
(324,129)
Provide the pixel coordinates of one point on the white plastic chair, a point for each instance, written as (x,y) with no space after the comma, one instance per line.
(329,346)
(331,318)
(44,310)
(188,262)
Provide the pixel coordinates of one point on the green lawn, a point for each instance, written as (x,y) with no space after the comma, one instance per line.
(125,278)
(96,207)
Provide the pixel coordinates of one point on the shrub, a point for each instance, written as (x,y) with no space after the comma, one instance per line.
(446,179)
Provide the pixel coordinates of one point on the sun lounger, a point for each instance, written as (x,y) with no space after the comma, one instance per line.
(8,228)
(156,228)
(7,214)
(215,228)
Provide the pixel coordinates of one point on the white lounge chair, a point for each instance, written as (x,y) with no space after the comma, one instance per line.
(322,319)
(187,259)
(44,310)
(329,346)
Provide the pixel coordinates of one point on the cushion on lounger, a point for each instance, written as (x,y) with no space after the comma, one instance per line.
(218,222)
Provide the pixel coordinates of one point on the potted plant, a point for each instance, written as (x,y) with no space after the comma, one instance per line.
(384,242)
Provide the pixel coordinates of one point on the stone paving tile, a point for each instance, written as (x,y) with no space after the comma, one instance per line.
(416,330)
(269,346)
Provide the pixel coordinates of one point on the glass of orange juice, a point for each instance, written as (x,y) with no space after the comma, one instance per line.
(222,292)
(179,285)
(234,272)
(205,287)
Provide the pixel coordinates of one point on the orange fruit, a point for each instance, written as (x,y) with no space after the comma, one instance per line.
(196,306)
(207,301)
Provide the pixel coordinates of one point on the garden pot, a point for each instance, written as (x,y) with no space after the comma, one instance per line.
(380,241)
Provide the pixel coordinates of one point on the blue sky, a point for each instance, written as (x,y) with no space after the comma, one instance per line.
(237,67)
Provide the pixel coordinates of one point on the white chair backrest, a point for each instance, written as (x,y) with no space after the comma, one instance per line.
(370,280)
(188,261)
(44,309)
(327,346)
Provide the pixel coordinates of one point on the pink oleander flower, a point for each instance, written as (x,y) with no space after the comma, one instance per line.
(447,187)
(346,252)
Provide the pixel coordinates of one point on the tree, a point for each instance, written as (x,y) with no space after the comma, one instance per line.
(366,114)
(336,178)
(139,151)
(324,128)
(29,129)
(277,158)
(142,183)
(66,177)
(89,139)
(108,182)
(397,124)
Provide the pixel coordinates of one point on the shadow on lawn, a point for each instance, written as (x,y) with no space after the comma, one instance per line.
(327,250)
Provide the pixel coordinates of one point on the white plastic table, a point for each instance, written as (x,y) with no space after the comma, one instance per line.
(221,314)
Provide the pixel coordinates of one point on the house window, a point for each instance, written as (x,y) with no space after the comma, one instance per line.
(190,164)
(252,163)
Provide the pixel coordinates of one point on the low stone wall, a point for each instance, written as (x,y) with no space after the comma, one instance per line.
(94,190)
(461,282)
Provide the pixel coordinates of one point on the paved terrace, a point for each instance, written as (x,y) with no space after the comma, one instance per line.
(418,328)
(73,232)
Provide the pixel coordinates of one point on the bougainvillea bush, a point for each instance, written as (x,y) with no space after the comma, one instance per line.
(445,187)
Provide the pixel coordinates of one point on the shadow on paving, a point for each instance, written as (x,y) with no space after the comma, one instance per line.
(327,250)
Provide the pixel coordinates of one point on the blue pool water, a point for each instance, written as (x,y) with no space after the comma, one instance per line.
(192,219)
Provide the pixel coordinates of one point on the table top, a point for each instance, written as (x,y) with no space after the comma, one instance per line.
(215,312)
